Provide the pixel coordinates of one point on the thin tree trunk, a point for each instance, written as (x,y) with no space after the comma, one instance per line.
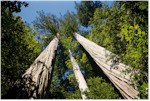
(35,81)
(79,77)
(100,55)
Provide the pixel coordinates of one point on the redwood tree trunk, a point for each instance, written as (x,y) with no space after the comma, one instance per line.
(100,55)
(79,77)
(35,81)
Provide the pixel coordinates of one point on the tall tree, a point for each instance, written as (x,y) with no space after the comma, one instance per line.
(36,80)
(46,24)
(79,77)
(99,54)
(122,29)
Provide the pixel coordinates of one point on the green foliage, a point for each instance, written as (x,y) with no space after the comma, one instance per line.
(85,11)
(143,91)
(13,6)
(73,94)
(69,64)
(68,24)
(99,89)
(59,82)
(135,33)
(47,25)
(86,66)
(18,48)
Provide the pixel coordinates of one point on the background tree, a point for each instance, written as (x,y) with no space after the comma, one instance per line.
(85,11)
(18,46)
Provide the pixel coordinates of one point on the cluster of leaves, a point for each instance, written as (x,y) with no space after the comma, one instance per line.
(123,29)
(85,11)
(47,25)
(103,91)
(13,6)
(18,46)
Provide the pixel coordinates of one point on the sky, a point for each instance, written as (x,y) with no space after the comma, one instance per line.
(29,13)
(54,7)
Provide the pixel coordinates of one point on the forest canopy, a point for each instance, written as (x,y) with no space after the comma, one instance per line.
(121,28)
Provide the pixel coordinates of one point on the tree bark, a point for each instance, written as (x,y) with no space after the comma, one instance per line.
(79,77)
(100,55)
(35,81)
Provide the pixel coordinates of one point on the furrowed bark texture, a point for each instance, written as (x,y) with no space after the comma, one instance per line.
(35,81)
(79,77)
(118,78)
